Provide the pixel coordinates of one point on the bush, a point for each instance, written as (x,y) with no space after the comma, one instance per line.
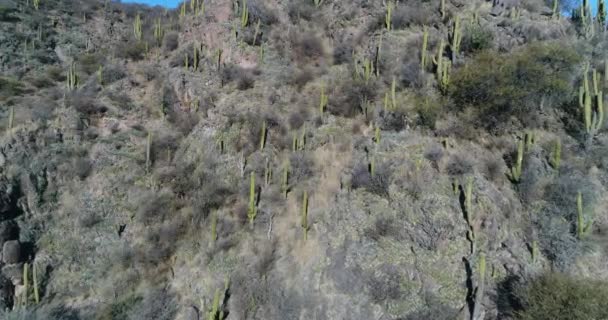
(134,50)
(170,41)
(556,296)
(350,97)
(504,85)
(378,184)
(477,38)
(244,78)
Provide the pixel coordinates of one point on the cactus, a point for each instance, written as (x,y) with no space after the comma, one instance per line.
(516,170)
(294,145)
(285,179)
(377,135)
(372,167)
(324,100)
(219,58)
(182,11)
(582,228)
(100,75)
(468,197)
(425,42)
(389,16)
(148,151)
(213,227)
(214,313)
(137,28)
(267,172)
(556,155)
(257,31)
(195,59)
(535,251)
(25,284)
(302,141)
(592,103)
(244,14)
(377,58)
(304,222)
(443,67)
(555,11)
(368,69)
(394,94)
(263,135)
(530,138)
(35,282)
(252,211)
(36,4)
(442,10)
(318,3)
(601,13)
(455,38)
(159,33)
(72,77)
(11,119)
(481,283)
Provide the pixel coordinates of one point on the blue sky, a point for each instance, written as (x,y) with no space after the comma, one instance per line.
(164,3)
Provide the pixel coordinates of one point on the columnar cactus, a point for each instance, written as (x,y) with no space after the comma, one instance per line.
(244,14)
(148,151)
(195,58)
(36,4)
(443,67)
(268,172)
(252,211)
(516,170)
(263,135)
(285,179)
(324,100)
(592,103)
(394,94)
(318,2)
(137,28)
(35,284)
(72,77)
(11,119)
(425,41)
(389,16)
(25,284)
(304,222)
(100,75)
(456,38)
(556,155)
(582,227)
(481,284)
(159,33)
(442,9)
(601,13)
(213,227)
(555,11)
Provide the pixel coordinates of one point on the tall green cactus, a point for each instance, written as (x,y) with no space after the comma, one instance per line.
(36,4)
(324,100)
(195,58)
(555,11)
(159,33)
(252,211)
(592,103)
(601,14)
(582,227)
(214,313)
(456,38)
(443,67)
(442,10)
(148,151)
(137,28)
(318,3)
(394,94)
(100,75)
(244,14)
(11,119)
(72,77)
(25,284)
(268,172)
(481,284)
(389,16)
(516,170)
(285,179)
(263,135)
(304,222)
(213,226)
(556,155)
(423,51)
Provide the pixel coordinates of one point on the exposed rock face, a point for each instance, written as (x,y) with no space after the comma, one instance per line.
(11,252)
(502,6)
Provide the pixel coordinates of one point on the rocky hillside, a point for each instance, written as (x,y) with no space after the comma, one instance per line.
(303,159)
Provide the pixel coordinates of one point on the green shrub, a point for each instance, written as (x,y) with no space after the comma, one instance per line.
(477,38)
(556,296)
(504,85)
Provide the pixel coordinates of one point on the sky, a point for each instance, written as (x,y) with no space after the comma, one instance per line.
(164,3)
